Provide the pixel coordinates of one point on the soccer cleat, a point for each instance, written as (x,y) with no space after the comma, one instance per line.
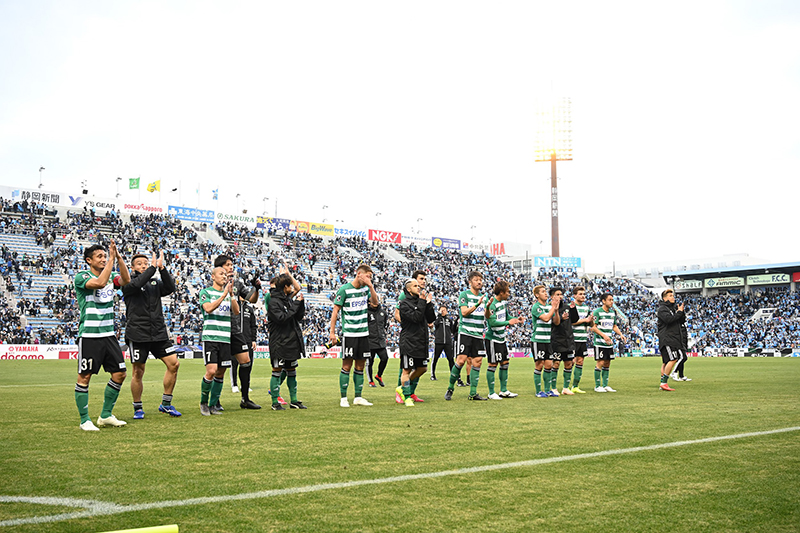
(461,383)
(204,410)
(686,379)
(361,401)
(399,397)
(278,407)
(567,392)
(495,396)
(88,426)
(297,405)
(372,384)
(664,386)
(218,407)
(609,389)
(249,404)
(508,394)
(249,389)
(576,390)
(380,381)
(215,410)
(138,414)
(550,394)
(448,395)
(281,401)
(409,402)
(477,397)
(542,394)
(235,389)
(110,420)
(599,389)
(169,409)
(344,403)
(554,393)
(433,378)
(416,398)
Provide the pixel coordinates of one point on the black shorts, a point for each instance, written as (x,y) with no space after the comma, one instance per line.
(471,346)
(410,363)
(603,354)
(542,351)
(497,352)
(94,352)
(239,344)
(287,364)
(138,351)
(563,356)
(356,348)
(216,353)
(581,349)
(670,354)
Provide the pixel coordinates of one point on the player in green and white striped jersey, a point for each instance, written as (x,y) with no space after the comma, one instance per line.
(97,343)
(470,344)
(217,306)
(582,319)
(497,318)
(351,302)
(606,320)
(544,316)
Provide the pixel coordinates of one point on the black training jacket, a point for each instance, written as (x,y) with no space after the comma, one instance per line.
(377,321)
(444,327)
(562,338)
(145,319)
(669,325)
(283,322)
(415,315)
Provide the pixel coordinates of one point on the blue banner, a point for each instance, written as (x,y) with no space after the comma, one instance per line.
(190,214)
(561,262)
(441,242)
(273,224)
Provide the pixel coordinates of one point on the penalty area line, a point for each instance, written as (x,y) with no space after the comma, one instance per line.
(96,508)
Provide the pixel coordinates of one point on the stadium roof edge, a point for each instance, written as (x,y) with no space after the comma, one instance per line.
(740,268)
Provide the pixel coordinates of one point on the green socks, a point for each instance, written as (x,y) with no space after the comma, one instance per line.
(503,378)
(205,389)
(597,378)
(414,383)
(109,398)
(407,389)
(275,386)
(358,382)
(344,382)
(455,373)
(216,391)
(291,382)
(567,377)
(537,380)
(577,377)
(82,401)
(474,375)
(664,378)
(605,377)
(166,400)
(490,378)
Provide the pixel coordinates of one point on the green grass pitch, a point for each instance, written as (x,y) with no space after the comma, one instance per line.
(745,484)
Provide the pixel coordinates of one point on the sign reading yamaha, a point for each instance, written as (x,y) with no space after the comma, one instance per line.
(768,279)
(721,283)
(560,262)
(189,214)
(450,244)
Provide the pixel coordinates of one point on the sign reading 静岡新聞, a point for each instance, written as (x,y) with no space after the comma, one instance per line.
(190,214)
(441,242)
(768,279)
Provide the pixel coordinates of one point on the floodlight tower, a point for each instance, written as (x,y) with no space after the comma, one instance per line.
(554,143)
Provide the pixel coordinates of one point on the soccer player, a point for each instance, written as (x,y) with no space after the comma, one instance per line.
(217,305)
(443,329)
(97,344)
(582,319)
(422,280)
(378,324)
(351,300)
(606,320)
(497,318)
(563,341)
(470,335)
(286,345)
(240,348)
(247,320)
(544,317)
(670,340)
(415,315)
(296,288)
(146,332)
(677,372)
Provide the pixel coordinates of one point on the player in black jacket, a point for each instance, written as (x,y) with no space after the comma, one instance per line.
(444,328)
(415,315)
(146,332)
(378,323)
(670,318)
(247,319)
(286,344)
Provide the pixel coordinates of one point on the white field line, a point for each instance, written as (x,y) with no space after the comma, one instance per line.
(93,508)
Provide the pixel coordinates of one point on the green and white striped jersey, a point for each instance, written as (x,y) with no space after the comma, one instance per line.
(354,310)
(581,332)
(474,324)
(498,321)
(217,323)
(541,329)
(96,305)
(605,321)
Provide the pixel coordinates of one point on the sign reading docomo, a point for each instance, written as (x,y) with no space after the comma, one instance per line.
(768,279)
(720,283)
(385,236)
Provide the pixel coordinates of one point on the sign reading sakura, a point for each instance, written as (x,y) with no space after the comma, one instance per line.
(385,236)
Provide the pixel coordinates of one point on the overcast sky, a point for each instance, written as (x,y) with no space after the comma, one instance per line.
(685,115)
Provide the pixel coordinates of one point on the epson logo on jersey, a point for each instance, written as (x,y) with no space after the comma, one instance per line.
(225,308)
(359,303)
(607,323)
(106,294)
